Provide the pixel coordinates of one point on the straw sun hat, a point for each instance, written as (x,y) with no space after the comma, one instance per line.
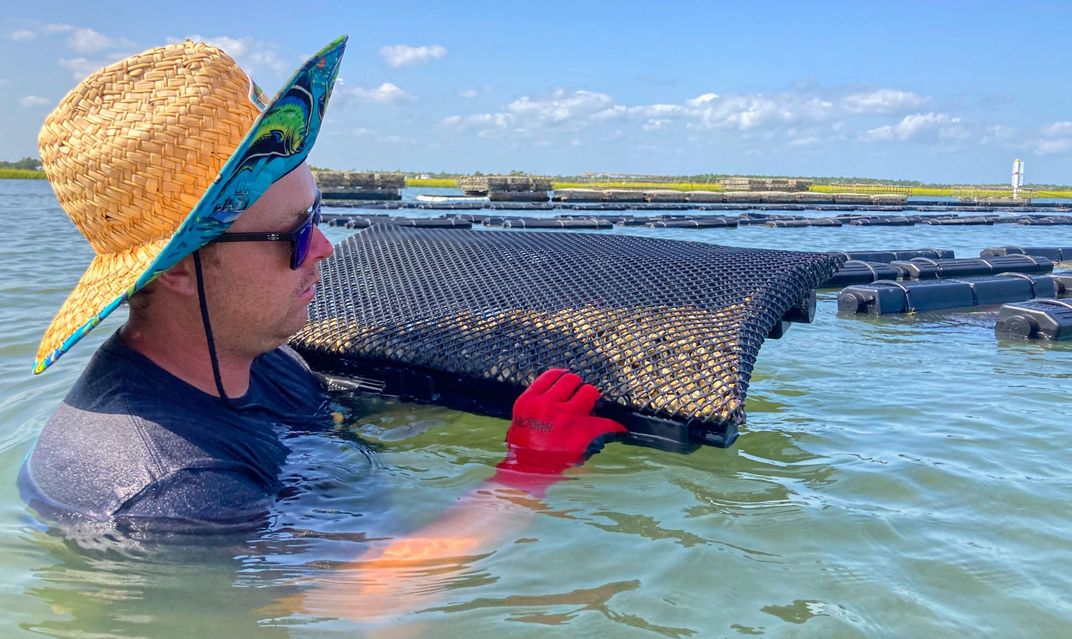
(155,156)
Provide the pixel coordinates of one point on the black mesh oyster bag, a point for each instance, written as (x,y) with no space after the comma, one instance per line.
(668,330)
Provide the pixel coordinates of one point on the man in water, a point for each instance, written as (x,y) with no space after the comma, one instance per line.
(192,188)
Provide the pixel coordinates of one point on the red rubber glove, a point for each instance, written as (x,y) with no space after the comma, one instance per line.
(553,429)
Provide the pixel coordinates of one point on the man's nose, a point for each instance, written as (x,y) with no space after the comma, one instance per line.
(322,248)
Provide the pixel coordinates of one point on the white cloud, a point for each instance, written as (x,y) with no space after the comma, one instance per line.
(36,29)
(401,55)
(234,47)
(701,100)
(916,126)
(527,116)
(82,40)
(92,49)
(89,41)
(386,93)
(251,54)
(1053,147)
(380,138)
(580,109)
(33,101)
(1056,139)
(81,67)
(267,59)
(468,93)
(797,119)
(1059,128)
(883,101)
(745,112)
(998,134)
(559,107)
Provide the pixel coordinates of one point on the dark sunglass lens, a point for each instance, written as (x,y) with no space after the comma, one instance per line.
(303,237)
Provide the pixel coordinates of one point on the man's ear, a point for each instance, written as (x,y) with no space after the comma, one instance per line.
(180,279)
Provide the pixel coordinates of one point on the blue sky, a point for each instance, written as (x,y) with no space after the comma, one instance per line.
(932,91)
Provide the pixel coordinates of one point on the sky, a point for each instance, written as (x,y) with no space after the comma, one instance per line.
(943,92)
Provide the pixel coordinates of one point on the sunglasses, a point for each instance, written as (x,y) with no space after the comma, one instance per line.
(300,238)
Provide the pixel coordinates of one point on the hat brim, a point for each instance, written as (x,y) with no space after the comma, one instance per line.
(279,140)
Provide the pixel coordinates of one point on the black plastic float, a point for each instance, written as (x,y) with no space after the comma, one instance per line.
(890,256)
(920,268)
(793,224)
(628,220)
(1055,253)
(521,206)
(631,220)
(344,219)
(1064,283)
(557,223)
(754,220)
(695,223)
(365,204)
(883,221)
(1036,319)
(959,221)
(885,296)
(860,272)
(475,218)
(431,223)
(1048,221)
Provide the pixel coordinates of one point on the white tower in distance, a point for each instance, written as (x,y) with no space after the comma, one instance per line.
(1017,178)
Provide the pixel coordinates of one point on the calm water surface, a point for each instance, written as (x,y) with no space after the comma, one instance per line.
(897,477)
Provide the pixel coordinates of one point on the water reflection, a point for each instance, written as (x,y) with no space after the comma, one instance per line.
(176,591)
(559,608)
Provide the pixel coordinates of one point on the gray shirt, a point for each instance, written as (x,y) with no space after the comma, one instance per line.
(133,444)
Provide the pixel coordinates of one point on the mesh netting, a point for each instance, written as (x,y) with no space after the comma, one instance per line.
(667,330)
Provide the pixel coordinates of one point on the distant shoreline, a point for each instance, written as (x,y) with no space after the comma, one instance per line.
(933,191)
(928,191)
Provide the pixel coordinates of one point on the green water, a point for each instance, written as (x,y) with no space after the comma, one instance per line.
(897,478)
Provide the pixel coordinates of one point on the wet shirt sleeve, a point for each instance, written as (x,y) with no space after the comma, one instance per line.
(202,499)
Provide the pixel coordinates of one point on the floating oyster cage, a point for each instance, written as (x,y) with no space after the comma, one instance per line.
(485,184)
(668,330)
(358,180)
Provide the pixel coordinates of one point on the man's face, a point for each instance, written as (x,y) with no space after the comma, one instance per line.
(256,301)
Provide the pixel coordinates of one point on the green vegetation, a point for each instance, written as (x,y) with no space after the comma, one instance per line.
(1066,193)
(980,191)
(21,174)
(439,183)
(25,169)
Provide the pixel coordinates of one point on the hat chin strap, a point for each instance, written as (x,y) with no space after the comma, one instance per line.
(203,301)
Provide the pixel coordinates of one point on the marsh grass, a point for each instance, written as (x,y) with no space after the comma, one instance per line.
(21,174)
(437,183)
(941,191)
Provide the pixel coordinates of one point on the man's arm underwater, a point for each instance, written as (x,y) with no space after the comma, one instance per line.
(552,430)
